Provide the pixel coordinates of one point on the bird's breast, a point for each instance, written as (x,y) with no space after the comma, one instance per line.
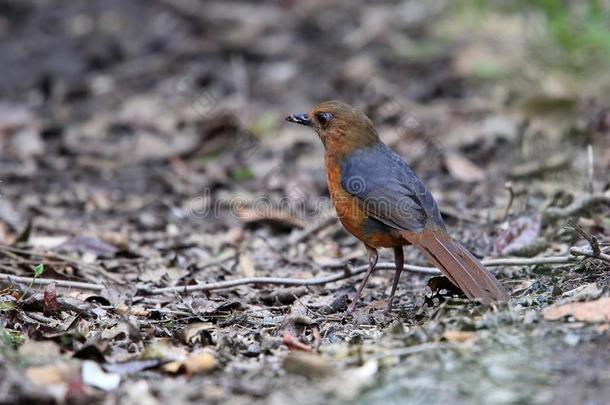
(369,230)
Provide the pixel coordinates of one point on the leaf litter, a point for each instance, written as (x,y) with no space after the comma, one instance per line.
(146,164)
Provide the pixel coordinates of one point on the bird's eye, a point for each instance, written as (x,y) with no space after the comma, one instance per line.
(324,117)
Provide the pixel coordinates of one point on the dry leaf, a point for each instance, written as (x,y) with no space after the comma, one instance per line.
(164,350)
(458,336)
(515,235)
(39,352)
(463,169)
(57,373)
(198,362)
(246,265)
(593,311)
(95,376)
(307,364)
(191,333)
(270,216)
(350,384)
(584,292)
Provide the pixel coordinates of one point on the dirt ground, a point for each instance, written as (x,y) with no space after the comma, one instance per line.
(143,150)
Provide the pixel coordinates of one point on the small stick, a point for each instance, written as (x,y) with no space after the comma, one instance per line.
(576,251)
(47,281)
(590,168)
(590,238)
(305,282)
(578,205)
(354,272)
(509,187)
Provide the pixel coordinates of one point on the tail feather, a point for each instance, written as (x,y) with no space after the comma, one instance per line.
(459,265)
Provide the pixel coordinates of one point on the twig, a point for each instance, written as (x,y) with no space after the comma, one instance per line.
(47,281)
(580,204)
(591,170)
(509,186)
(351,273)
(57,256)
(576,251)
(305,282)
(537,167)
(533,261)
(590,238)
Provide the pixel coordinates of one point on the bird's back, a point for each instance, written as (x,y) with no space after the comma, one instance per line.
(389,190)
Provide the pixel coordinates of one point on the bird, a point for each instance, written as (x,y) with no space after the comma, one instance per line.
(382,202)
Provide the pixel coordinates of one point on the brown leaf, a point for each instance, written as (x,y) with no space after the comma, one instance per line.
(307,364)
(593,311)
(246,265)
(57,373)
(459,336)
(198,362)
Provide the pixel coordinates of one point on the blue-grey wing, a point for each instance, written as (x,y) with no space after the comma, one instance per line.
(388,190)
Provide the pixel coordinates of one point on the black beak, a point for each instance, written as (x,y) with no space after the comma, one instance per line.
(302,119)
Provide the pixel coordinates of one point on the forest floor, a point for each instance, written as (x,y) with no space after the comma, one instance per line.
(143,149)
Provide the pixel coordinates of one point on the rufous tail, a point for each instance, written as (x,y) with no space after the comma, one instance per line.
(459,265)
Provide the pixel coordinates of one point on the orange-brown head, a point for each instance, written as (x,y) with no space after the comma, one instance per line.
(341,127)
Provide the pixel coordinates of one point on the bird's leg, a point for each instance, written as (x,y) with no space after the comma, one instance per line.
(372,262)
(399,260)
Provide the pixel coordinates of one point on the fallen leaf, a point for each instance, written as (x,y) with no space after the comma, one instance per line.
(47,242)
(516,235)
(270,216)
(192,333)
(246,265)
(585,292)
(164,350)
(198,362)
(459,336)
(462,169)
(39,352)
(350,384)
(132,367)
(88,244)
(593,311)
(56,373)
(139,392)
(307,364)
(95,376)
